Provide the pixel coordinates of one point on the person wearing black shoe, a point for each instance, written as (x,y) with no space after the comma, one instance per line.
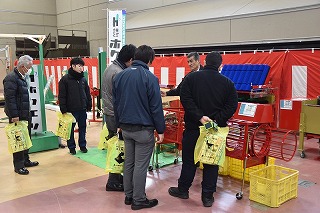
(17,107)
(74,97)
(124,60)
(205,96)
(138,112)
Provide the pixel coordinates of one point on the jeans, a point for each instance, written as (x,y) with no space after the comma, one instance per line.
(188,171)
(81,119)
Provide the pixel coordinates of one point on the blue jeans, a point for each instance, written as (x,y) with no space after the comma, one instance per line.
(81,119)
(188,171)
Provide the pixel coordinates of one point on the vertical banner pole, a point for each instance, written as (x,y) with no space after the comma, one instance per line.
(41,88)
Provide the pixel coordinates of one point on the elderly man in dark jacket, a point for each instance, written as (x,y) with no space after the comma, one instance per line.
(17,107)
(74,97)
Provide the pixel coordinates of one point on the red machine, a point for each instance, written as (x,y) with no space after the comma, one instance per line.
(174,121)
(253,134)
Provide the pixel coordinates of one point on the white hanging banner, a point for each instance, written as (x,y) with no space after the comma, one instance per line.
(116,33)
(299,81)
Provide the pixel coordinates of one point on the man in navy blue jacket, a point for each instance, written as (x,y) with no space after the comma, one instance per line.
(206,96)
(138,112)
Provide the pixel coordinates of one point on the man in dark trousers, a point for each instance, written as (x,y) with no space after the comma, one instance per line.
(124,60)
(194,64)
(206,96)
(74,97)
(17,107)
(138,112)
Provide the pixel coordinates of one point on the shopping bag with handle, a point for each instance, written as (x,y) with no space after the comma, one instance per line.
(18,136)
(103,138)
(211,145)
(64,125)
(115,155)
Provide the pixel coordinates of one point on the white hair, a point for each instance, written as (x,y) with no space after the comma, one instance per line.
(24,60)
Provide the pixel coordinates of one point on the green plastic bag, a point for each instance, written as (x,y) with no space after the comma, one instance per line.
(211,146)
(64,125)
(18,136)
(115,155)
(103,138)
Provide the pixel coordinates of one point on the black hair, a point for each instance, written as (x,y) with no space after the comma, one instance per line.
(214,58)
(145,54)
(76,61)
(126,53)
(195,55)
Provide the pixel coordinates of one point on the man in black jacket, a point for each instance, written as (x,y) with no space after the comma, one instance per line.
(206,96)
(17,107)
(194,64)
(74,97)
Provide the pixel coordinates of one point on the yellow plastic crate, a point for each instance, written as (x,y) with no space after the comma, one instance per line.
(273,185)
(236,169)
(224,170)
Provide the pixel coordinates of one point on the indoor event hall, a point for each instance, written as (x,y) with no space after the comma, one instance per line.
(159,106)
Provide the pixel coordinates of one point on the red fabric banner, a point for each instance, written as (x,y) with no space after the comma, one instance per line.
(280,74)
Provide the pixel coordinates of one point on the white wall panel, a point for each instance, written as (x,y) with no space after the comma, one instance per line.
(64,19)
(96,12)
(95,2)
(80,15)
(276,27)
(63,6)
(95,44)
(79,4)
(98,29)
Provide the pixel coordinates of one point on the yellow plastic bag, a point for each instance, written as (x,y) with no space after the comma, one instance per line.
(64,125)
(211,146)
(18,136)
(103,138)
(115,155)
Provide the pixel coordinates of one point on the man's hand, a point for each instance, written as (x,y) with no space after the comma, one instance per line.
(16,119)
(160,138)
(163,93)
(205,119)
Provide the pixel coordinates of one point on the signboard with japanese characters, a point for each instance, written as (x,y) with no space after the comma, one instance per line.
(116,33)
(35,105)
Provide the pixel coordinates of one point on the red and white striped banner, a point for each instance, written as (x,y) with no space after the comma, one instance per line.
(295,73)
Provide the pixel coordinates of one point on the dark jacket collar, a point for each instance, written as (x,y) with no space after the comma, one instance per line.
(210,67)
(75,74)
(140,63)
(18,73)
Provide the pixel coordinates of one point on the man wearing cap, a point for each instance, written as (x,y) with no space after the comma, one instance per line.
(206,96)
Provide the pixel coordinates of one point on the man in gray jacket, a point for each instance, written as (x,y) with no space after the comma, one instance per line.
(124,60)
